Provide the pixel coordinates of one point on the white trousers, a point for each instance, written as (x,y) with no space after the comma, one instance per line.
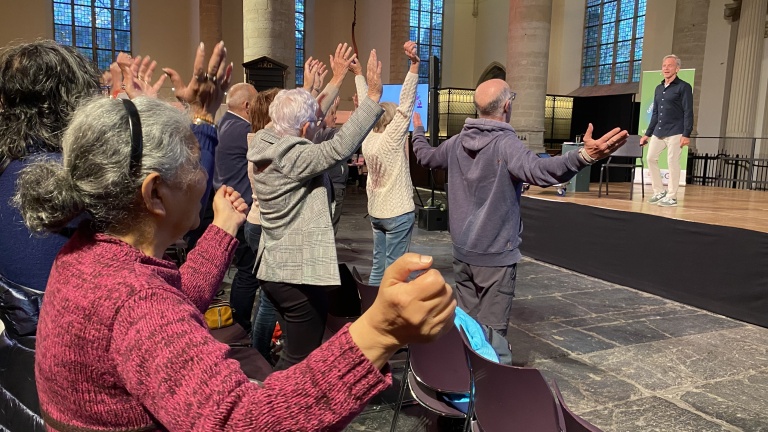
(656,146)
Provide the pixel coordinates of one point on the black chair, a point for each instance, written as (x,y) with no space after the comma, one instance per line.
(436,367)
(343,303)
(367,292)
(509,398)
(625,157)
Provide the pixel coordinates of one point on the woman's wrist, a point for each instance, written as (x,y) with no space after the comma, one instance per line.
(230,227)
(375,344)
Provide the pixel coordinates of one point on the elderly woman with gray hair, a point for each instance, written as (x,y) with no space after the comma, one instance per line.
(296,262)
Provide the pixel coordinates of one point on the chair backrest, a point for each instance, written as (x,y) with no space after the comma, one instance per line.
(630,149)
(441,364)
(573,423)
(509,398)
(367,292)
(344,300)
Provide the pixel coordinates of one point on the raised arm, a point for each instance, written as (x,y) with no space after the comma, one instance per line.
(398,127)
(304,162)
(426,155)
(340,62)
(525,166)
(202,273)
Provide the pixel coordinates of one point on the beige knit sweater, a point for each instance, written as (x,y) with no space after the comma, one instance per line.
(390,191)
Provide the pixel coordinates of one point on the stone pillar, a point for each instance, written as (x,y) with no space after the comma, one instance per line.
(268,30)
(527,61)
(688,43)
(742,106)
(210,23)
(401,28)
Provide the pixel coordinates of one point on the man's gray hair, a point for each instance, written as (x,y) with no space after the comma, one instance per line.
(495,107)
(672,56)
(95,176)
(290,110)
(239,94)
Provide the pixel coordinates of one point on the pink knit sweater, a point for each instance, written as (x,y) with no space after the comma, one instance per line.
(122,345)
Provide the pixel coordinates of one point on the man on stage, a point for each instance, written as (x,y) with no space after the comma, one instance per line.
(670,127)
(487,165)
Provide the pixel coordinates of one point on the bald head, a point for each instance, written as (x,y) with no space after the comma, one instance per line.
(238,98)
(491,97)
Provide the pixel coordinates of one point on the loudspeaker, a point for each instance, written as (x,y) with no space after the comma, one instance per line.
(433,219)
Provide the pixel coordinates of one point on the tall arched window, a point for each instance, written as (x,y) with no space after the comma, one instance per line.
(426,22)
(300,16)
(613,42)
(97,28)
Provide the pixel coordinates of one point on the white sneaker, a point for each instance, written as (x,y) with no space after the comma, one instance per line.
(667,202)
(658,197)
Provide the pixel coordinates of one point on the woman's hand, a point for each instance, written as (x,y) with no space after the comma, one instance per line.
(340,62)
(373,77)
(206,89)
(229,209)
(137,76)
(404,312)
(412,52)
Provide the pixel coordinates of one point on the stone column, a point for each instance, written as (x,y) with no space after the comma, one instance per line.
(268,30)
(527,61)
(688,43)
(742,106)
(210,23)
(401,27)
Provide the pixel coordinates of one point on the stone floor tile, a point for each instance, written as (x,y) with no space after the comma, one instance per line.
(650,414)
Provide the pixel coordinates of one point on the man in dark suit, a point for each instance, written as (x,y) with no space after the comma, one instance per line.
(231,169)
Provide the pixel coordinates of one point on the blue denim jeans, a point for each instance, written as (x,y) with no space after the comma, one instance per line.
(266,316)
(391,239)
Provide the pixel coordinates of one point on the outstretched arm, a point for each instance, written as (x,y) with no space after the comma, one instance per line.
(426,155)
(398,127)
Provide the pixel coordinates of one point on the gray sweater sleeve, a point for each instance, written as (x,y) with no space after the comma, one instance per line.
(305,161)
(526,166)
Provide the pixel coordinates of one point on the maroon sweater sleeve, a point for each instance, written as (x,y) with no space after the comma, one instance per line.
(202,273)
(168,361)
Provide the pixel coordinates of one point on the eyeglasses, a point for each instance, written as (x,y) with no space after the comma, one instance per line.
(137,141)
(512,96)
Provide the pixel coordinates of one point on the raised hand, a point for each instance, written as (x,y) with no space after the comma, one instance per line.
(405,312)
(137,76)
(417,120)
(373,77)
(356,68)
(411,51)
(320,74)
(229,209)
(206,89)
(340,62)
(310,72)
(607,144)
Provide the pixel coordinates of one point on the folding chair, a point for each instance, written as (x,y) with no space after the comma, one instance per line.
(367,292)
(632,151)
(343,303)
(508,398)
(432,368)
(573,423)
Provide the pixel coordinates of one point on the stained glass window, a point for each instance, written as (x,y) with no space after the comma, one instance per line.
(426,29)
(97,28)
(300,16)
(613,41)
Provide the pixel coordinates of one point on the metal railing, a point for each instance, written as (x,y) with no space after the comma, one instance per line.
(739,163)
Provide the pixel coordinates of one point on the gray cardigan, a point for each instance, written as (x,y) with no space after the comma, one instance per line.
(297,243)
